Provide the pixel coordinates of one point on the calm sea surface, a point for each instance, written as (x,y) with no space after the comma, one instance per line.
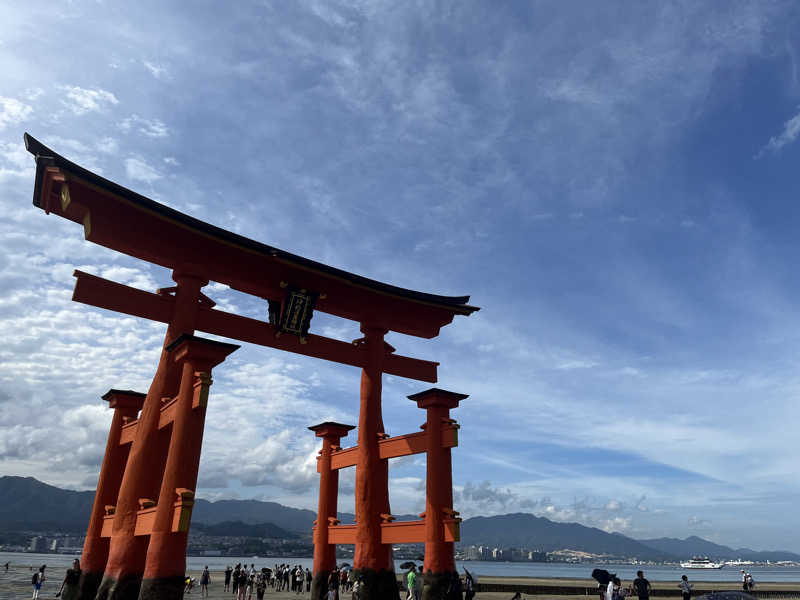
(499,569)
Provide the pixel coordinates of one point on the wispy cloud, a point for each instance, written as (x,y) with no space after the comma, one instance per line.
(791,131)
(138,169)
(13,111)
(153,128)
(82,100)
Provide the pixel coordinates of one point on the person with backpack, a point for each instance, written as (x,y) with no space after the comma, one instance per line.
(37,581)
(750,583)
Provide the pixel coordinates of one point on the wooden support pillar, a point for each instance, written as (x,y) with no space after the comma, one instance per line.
(166,555)
(126,405)
(324,551)
(372,558)
(439,566)
(143,471)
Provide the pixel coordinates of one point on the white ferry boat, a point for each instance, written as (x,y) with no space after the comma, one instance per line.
(701,563)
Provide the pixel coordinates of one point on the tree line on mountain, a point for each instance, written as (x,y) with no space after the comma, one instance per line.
(27,504)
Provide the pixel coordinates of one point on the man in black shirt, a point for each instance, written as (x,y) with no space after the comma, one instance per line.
(641,586)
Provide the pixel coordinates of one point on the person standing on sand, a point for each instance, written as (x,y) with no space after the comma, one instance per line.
(412,583)
(38,582)
(69,587)
(235,578)
(641,586)
(205,579)
(469,585)
(686,587)
(228,572)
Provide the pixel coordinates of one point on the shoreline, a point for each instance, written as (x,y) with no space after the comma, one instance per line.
(16,584)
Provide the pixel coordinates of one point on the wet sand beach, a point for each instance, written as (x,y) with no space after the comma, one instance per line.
(15,584)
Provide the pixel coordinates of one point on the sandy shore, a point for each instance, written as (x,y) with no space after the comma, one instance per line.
(15,584)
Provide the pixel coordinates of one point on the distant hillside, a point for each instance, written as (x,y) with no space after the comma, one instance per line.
(254,511)
(695,546)
(26,503)
(30,505)
(238,528)
(529,531)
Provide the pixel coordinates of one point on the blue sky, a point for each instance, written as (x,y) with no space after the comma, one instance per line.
(615,184)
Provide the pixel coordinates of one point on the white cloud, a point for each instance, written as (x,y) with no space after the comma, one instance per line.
(157,71)
(791,131)
(81,100)
(107,145)
(148,127)
(12,111)
(139,170)
(15,161)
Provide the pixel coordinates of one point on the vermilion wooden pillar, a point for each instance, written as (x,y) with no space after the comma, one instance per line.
(325,552)
(439,566)
(142,478)
(372,558)
(126,405)
(166,555)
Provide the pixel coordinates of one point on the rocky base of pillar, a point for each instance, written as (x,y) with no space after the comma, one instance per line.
(378,585)
(125,588)
(319,585)
(441,586)
(162,588)
(89,584)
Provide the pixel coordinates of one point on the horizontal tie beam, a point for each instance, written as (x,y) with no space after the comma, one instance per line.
(395,447)
(99,292)
(396,532)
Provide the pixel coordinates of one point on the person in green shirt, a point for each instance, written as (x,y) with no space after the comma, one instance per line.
(412,584)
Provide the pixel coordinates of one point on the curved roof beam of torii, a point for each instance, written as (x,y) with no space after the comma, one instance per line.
(120,219)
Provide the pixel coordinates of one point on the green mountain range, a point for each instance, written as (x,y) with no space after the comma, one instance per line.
(27,504)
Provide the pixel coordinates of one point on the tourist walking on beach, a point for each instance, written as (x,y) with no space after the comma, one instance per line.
(37,581)
(686,587)
(641,586)
(411,579)
(469,585)
(235,578)
(228,571)
(205,579)
(333,584)
(261,584)
(69,587)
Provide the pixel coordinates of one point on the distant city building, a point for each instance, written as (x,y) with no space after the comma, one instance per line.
(38,544)
(54,545)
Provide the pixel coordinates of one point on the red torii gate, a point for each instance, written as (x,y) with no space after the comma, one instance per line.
(136,541)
